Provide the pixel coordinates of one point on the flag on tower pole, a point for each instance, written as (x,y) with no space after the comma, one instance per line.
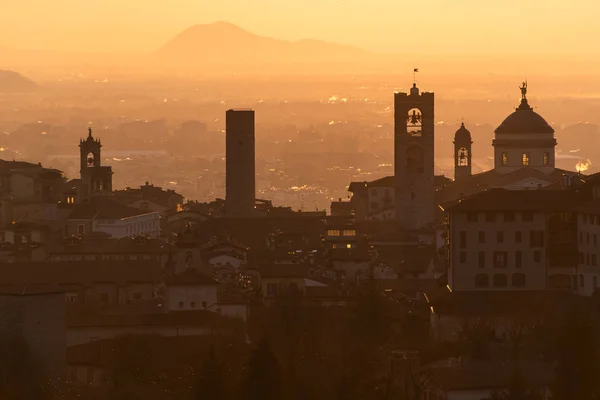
(415,70)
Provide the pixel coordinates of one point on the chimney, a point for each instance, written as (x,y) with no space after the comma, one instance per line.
(567,181)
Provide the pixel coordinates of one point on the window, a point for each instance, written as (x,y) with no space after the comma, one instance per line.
(103,298)
(271,289)
(587,258)
(463,257)
(537,238)
(500,259)
(518,280)
(481,237)
(349,232)
(193,304)
(181,304)
(581,237)
(537,256)
(595,282)
(581,257)
(482,280)
(581,281)
(525,159)
(348,245)
(482,259)
(472,217)
(81,229)
(546,158)
(509,216)
(500,280)
(490,217)
(594,259)
(71,297)
(504,159)
(595,239)
(518,259)
(333,232)
(500,237)
(527,216)
(463,240)
(518,237)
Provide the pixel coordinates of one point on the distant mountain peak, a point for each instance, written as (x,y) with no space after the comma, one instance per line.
(227,43)
(11,81)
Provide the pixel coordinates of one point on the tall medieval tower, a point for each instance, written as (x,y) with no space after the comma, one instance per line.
(414,159)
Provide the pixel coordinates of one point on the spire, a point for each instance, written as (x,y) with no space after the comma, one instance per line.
(90,132)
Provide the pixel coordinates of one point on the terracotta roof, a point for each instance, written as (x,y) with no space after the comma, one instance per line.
(101,207)
(462,374)
(285,270)
(149,192)
(186,318)
(77,273)
(519,200)
(488,303)
(108,246)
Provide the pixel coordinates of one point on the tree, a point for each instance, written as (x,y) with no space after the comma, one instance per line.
(577,358)
(263,375)
(21,376)
(210,379)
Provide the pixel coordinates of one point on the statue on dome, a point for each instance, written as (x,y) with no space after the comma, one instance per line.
(523,90)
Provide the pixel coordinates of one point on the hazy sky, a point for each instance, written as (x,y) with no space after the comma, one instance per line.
(423,26)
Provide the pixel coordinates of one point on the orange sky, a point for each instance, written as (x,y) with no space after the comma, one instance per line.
(424,26)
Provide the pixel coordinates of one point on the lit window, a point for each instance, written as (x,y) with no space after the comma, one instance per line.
(525,159)
(333,232)
(504,159)
(349,246)
(349,232)
(546,158)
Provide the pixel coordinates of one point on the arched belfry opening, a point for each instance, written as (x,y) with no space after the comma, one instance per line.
(462,153)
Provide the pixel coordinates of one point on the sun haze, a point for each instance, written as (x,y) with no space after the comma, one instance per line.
(428,26)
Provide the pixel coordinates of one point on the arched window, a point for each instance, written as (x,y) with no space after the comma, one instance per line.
(500,280)
(518,280)
(462,157)
(414,121)
(482,281)
(504,159)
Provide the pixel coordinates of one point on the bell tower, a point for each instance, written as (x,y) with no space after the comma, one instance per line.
(414,159)
(462,154)
(95,178)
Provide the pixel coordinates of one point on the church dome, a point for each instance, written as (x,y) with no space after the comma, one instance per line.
(462,135)
(524,120)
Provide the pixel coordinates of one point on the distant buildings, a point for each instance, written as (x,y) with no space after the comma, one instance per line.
(240,163)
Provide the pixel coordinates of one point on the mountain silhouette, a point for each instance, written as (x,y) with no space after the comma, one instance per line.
(226,43)
(11,81)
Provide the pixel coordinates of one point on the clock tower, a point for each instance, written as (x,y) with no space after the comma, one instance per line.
(414,159)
